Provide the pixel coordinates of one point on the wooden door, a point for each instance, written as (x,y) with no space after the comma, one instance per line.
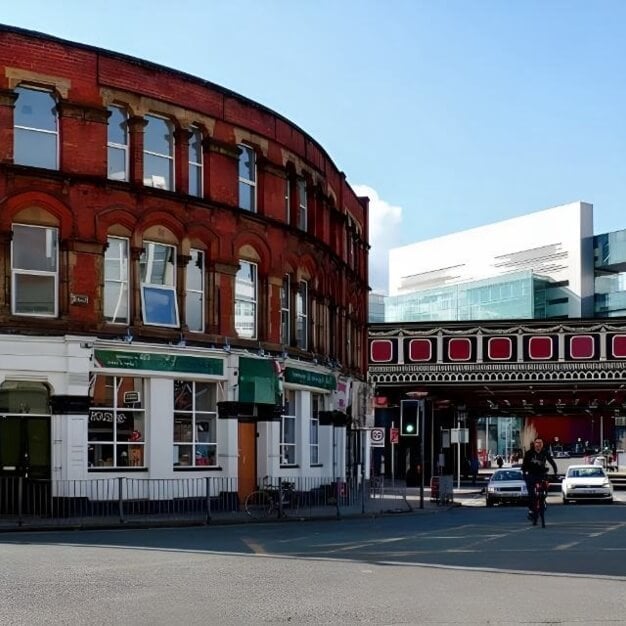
(247,459)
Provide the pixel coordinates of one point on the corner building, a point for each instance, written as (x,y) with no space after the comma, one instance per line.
(185,277)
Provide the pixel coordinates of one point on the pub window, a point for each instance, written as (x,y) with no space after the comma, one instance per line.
(314,437)
(195,424)
(288,430)
(117,422)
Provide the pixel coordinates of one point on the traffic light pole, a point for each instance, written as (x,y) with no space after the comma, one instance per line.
(422,411)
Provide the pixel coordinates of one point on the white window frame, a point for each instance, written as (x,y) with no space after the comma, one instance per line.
(189,290)
(285,311)
(111,414)
(196,415)
(169,157)
(15,271)
(123,282)
(196,166)
(317,405)
(149,286)
(303,205)
(302,315)
(112,145)
(250,182)
(39,130)
(289,415)
(244,299)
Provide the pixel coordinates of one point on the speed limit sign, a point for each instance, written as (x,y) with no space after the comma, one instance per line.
(377,437)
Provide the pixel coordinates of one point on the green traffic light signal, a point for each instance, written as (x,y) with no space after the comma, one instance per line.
(409,417)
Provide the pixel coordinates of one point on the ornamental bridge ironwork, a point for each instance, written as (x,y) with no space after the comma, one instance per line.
(470,362)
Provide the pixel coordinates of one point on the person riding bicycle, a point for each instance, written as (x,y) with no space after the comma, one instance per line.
(534,468)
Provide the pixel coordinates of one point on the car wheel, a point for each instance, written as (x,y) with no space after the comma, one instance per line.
(489,501)
(609,501)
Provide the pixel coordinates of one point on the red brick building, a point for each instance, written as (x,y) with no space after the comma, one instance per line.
(185,275)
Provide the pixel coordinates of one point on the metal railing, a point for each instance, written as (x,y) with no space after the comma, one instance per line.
(29,503)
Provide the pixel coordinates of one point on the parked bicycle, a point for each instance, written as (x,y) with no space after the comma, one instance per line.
(540,493)
(271,500)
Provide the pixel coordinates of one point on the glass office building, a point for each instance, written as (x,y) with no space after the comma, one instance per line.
(610,274)
(521,295)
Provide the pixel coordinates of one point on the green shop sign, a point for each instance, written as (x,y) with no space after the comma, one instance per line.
(310,379)
(159,362)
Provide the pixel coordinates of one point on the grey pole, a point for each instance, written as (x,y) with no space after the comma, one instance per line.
(422,407)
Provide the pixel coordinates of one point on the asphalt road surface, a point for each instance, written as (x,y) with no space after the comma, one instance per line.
(465,565)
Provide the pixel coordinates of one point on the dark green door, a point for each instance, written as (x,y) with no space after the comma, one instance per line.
(25,446)
(24,462)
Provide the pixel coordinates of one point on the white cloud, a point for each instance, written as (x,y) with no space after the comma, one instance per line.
(384,229)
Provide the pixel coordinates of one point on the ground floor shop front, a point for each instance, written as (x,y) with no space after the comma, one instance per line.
(81,413)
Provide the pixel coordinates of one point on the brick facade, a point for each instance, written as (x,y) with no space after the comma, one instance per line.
(87,207)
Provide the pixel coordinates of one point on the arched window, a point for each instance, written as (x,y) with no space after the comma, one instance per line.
(117,143)
(194,296)
(36,133)
(158,153)
(34,270)
(116,272)
(246,294)
(195,162)
(247,178)
(158,285)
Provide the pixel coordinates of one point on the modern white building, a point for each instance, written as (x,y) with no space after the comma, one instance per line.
(553,246)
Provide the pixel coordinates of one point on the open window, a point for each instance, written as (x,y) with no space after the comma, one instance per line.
(158,285)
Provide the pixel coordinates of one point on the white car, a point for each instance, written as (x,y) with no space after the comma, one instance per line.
(586,482)
(507,485)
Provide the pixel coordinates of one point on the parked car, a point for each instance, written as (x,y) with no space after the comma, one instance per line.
(586,482)
(506,485)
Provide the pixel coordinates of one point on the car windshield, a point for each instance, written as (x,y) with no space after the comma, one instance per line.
(508,475)
(585,472)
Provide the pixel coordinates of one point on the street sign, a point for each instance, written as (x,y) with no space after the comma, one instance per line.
(459,435)
(377,437)
(394,435)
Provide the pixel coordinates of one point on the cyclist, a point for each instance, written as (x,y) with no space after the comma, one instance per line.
(534,469)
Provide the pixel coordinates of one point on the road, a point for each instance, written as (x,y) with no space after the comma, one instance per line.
(465,565)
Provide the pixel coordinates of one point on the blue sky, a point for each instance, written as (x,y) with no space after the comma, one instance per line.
(449,114)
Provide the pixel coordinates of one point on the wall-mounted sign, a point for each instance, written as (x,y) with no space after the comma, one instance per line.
(159,362)
(310,379)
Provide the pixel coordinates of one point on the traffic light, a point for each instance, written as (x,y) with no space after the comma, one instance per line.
(410,418)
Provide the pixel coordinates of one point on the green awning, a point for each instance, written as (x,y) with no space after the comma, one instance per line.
(258,381)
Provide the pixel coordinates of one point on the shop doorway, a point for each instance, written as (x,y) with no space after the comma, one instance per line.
(24,463)
(247,459)
(25,449)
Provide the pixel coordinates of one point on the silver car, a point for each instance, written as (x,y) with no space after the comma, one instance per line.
(507,485)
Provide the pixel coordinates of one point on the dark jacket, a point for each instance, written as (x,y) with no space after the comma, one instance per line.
(534,463)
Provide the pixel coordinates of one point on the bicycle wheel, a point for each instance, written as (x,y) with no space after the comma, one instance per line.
(258,504)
